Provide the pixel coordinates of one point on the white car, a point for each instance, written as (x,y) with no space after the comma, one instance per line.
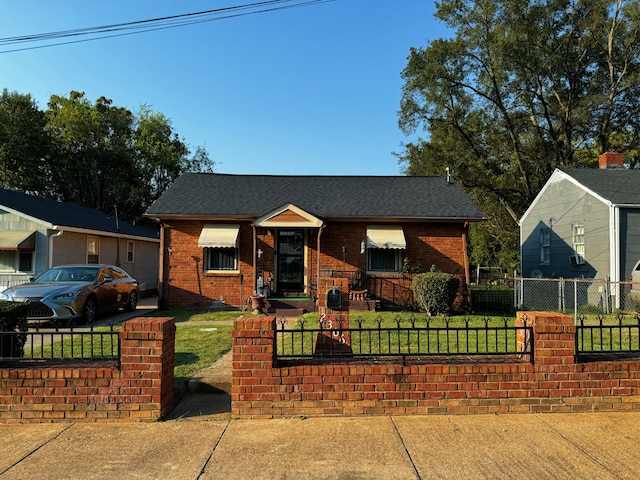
(67,293)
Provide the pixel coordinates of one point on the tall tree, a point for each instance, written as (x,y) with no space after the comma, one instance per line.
(24,144)
(92,154)
(525,86)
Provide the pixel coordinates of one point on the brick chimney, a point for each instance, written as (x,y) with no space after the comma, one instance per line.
(611,160)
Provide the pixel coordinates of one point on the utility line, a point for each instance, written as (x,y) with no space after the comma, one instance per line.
(154,24)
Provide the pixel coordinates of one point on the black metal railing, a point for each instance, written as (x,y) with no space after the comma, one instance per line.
(415,337)
(607,335)
(60,344)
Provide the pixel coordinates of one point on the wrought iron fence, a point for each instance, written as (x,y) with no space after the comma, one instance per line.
(60,344)
(606,335)
(414,337)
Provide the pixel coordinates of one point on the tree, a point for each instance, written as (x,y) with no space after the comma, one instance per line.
(92,154)
(524,87)
(24,144)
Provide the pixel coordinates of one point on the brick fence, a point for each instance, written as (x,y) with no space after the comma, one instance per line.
(554,383)
(140,389)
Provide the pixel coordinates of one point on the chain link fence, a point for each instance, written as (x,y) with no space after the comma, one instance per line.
(572,296)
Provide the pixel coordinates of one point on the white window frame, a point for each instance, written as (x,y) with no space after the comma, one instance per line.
(207,260)
(545,246)
(131,251)
(95,241)
(578,239)
(397,259)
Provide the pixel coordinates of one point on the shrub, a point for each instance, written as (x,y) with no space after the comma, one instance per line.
(435,290)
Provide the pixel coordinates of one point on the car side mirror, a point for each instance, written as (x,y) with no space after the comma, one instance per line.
(107,279)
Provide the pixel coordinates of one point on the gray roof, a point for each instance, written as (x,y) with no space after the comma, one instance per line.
(68,215)
(618,185)
(210,194)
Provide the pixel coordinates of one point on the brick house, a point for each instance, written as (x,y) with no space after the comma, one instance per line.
(225,238)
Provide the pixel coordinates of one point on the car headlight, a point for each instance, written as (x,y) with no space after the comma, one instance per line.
(67,295)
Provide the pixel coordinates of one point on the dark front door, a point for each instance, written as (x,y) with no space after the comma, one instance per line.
(290,278)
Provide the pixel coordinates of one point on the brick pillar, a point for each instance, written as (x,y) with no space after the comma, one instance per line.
(147,347)
(252,347)
(333,340)
(553,337)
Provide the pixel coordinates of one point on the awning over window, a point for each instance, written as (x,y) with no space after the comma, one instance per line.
(390,236)
(18,240)
(219,236)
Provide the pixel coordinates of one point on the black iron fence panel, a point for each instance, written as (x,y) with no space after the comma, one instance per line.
(607,335)
(60,344)
(361,340)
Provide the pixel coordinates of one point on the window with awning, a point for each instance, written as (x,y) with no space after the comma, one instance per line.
(220,244)
(18,240)
(219,236)
(390,236)
(384,246)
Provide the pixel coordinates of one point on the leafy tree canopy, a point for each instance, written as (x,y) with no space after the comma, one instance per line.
(524,87)
(92,154)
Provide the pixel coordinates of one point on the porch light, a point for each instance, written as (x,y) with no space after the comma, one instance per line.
(363,245)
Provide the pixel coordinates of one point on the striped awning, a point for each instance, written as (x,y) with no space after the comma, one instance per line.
(390,236)
(18,240)
(219,236)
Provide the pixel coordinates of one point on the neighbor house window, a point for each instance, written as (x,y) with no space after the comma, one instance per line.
(93,248)
(131,248)
(545,245)
(25,262)
(220,258)
(384,260)
(7,261)
(578,239)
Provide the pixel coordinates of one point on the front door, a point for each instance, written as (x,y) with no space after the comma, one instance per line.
(290,273)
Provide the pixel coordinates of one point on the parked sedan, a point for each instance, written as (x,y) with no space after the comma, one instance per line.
(70,292)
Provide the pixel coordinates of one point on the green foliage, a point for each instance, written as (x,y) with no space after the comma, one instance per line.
(11,315)
(522,88)
(435,291)
(93,154)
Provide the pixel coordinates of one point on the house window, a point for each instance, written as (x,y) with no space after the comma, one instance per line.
(131,248)
(545,245)
(220,258)
(25,263)
(578,239)
(384,260)
(93,247)
(7,261)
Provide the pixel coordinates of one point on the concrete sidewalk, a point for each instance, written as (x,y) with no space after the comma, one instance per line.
(554,446)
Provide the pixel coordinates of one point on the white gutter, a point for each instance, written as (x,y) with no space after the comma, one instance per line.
(51,237)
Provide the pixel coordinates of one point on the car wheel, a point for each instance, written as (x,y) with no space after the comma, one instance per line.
(90,309)
(132,303)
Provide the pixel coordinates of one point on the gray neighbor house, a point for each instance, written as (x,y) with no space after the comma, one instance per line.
(38,233)
(584,223)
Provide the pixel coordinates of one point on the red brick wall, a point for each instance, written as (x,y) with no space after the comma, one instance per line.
(141,390)
(555,383)
(186,286)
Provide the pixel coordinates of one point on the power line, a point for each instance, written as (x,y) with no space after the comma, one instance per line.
(154,24)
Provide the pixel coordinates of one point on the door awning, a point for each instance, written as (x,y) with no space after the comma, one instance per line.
(390,236)
(219,236)
(18,240)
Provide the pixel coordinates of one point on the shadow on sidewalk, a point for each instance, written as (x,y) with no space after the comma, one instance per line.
(202,406)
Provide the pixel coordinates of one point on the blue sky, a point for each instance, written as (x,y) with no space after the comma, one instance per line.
(306,91)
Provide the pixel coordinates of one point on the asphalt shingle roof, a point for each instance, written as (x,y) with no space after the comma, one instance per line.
(68,215)
(619,186)
(210,194)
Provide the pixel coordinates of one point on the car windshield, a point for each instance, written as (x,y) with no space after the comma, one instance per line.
(69,274)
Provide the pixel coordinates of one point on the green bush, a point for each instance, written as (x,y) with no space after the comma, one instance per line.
(435,291)
(12,314)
